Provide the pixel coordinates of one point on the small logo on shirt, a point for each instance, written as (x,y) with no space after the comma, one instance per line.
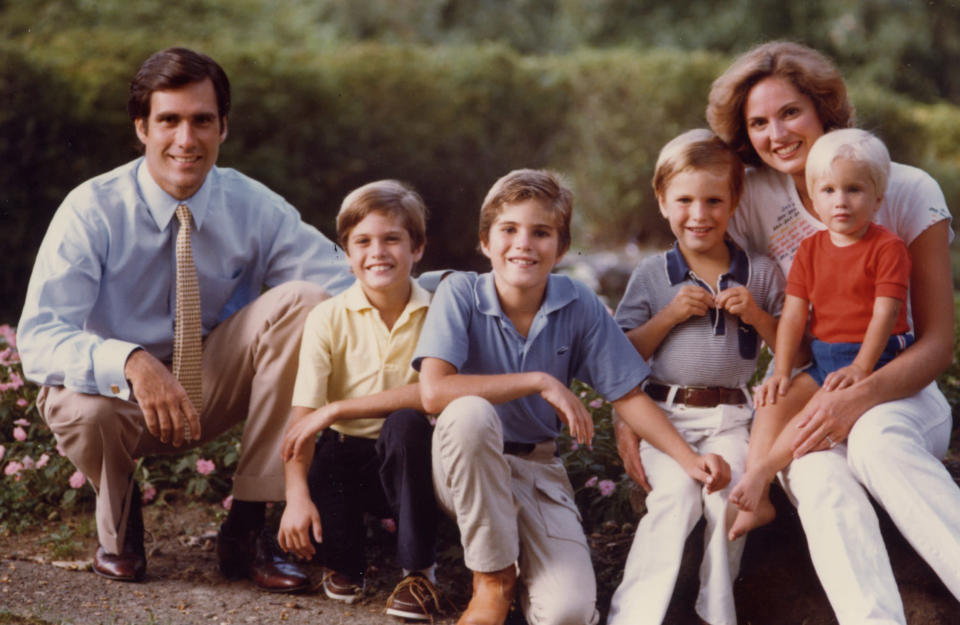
(563,350)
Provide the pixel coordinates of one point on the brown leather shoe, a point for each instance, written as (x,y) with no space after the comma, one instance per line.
(130,565)
(492,596)
(124,567)
(254,555)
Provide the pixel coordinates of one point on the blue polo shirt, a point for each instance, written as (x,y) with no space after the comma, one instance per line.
(572,336)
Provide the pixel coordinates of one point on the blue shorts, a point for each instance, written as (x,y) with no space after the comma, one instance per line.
(828,357)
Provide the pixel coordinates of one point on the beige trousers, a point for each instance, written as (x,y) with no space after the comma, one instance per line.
(249,367)
(514,509)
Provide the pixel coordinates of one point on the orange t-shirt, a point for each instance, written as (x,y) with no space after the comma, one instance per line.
(841,283)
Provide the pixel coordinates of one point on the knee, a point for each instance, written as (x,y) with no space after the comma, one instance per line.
(820,480)
(574,607)
(298,295)
(469,422)
(405,429)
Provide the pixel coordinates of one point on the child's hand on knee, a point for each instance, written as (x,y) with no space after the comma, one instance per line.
(775,386)
(844,377)
(712,470)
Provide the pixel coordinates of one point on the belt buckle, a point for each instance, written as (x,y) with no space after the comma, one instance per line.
(688,392)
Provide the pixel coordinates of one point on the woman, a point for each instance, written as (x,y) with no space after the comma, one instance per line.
(887,432)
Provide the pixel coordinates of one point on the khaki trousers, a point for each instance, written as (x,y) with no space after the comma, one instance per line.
(249,368)
(514,509)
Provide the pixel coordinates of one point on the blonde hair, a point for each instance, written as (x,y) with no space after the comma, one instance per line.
(388,196)
(854,144)
(526,184)
(809,71)
(698,149)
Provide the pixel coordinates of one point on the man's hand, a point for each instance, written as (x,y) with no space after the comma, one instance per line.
(628,446)
(570,409)
(164,403)
(300,518)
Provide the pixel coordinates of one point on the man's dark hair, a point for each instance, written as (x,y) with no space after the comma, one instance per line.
(173,68)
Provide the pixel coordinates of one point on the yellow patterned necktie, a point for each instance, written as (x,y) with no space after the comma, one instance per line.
(187,335)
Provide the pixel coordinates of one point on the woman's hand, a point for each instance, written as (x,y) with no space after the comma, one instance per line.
(828,417)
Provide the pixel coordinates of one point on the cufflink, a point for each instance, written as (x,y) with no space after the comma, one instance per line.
(114,389)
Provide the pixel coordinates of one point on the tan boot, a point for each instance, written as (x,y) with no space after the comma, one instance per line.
(492,596)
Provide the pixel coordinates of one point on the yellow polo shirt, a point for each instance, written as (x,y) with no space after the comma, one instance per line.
(347,351)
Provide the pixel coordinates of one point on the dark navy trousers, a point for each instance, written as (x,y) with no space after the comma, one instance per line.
(389,477)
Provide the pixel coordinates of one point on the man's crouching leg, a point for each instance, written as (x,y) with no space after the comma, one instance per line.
(249,367)
(100,435)
(472,482)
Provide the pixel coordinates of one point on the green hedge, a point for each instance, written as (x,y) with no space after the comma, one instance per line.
(314,122)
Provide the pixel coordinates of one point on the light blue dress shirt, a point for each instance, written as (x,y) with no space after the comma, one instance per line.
(572,336)
(105,276)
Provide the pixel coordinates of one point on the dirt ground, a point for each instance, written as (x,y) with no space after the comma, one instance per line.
(41,582)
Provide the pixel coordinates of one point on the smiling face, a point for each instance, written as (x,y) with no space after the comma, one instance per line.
(523,246)
(782,124)
(182,137)
(381,255)
(698,205)
(846,200)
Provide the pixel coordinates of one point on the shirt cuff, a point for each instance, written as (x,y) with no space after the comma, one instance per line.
(109,360)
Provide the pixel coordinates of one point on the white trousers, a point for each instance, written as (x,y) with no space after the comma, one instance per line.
(893,451)
(514,509)
(674,507)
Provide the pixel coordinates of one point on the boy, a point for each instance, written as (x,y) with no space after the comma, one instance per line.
(355,385)
(696,312)
(854,276)
(496,357)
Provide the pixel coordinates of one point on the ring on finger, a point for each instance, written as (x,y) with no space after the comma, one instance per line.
(831,442)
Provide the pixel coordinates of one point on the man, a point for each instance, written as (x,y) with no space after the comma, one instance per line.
(117,277)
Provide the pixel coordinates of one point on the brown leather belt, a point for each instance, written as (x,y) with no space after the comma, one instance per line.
(697,396)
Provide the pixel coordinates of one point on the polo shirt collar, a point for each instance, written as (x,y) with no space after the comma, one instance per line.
(356,300)
(678,270)
(162,206)
(560,292)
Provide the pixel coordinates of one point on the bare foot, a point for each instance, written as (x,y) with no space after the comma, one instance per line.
(748,520)
(749,491)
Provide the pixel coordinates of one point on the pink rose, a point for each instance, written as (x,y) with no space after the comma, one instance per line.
(574,445)
(590,483)
(606,487)
(389,525)
(596,403)
(22,403)
(15,382)
(42,462)
(19,433)
(13,467)
(227,502)
(29,463)
(22,422)
(8,335)
(205,467)
(149,493)
(77,480)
